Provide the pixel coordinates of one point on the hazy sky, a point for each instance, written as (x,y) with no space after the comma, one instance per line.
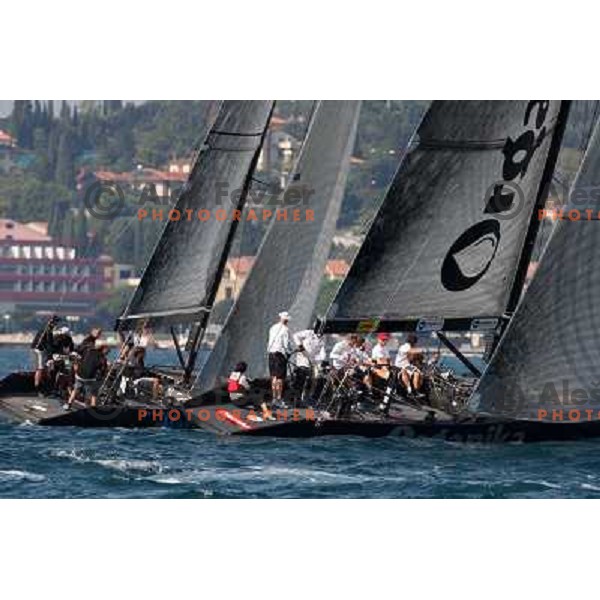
(5,107)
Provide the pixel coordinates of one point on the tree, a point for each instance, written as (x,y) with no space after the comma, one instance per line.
(65,170)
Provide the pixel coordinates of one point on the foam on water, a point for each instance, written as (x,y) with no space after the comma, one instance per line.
(69,462)
(10,475)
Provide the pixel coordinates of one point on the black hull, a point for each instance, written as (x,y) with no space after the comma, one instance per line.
(18,403)
(230,420)
(470,432)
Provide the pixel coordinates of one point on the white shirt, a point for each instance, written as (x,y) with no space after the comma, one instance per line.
(380,352)
(402,356)
(279,339)
(143,339)
(342,355)
(314,346)
(361,356)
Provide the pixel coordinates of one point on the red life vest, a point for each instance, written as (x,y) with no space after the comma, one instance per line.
(233,385)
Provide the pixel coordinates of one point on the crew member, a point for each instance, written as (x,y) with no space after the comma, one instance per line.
(412,374)
(89,341)
(310,352)
(380,354)
(141,376)
(238,386)
(311,345)
(60,367)
(144,337)
(62,341)
(343,354)
(402,357)
(42,348)
(88,378)
(278,348)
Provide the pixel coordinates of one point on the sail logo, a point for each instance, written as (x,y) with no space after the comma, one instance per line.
(471,255)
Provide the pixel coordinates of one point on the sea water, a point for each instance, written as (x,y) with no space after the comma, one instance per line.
(40,462)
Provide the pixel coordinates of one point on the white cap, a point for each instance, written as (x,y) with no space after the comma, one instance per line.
(284,315)
(61,330)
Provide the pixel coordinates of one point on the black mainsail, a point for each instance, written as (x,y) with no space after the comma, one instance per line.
(179,282)
(446,249)
(546,365)
(291,260)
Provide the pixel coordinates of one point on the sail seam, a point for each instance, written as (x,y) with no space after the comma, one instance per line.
(236,134)
(463,145)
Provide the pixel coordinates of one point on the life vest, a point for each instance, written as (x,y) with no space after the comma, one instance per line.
(233,385)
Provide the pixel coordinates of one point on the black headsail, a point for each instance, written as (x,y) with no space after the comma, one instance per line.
(445,249)
(180,280)
(547,365)
(291,260)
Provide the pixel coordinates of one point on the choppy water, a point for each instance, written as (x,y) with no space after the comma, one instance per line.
(37,462)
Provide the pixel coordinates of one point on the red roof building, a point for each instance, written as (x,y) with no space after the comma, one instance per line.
(336,269)
(39,275)
(7,140)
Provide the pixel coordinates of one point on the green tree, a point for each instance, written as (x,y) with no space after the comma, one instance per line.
(65,169)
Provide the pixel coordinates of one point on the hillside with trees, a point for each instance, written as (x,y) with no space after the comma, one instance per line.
(59,140)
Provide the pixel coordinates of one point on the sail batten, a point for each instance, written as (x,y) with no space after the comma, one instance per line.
(290,263)
(449,234)
(178,283)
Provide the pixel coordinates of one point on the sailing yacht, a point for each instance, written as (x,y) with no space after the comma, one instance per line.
(180,281)
(447,251)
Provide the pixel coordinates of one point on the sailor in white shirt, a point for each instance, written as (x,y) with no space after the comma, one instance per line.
(362,351)
(380,353)
(343,354)
(402,357)
(311,348)
(278,348)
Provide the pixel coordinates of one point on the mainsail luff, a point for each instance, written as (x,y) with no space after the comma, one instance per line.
(180,277)
(289,266)
(444,246)
(545,367)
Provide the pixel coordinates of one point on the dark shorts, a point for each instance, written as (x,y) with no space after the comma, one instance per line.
(277,365)
(87,386)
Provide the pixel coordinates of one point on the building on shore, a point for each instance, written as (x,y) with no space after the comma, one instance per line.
(237,270)
(39,275)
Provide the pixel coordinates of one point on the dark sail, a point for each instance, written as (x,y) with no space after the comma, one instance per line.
(443,250)
(179,279)
(546,366)
(290,263)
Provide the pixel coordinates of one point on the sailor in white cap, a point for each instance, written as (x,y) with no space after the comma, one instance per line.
(278,348)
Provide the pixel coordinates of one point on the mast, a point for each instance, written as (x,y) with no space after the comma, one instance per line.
(534,222)
(534,226)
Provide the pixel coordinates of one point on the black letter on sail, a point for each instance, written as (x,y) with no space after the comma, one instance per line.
(471,256)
